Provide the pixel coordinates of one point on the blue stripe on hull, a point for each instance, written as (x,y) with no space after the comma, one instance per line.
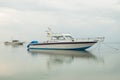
(78,49)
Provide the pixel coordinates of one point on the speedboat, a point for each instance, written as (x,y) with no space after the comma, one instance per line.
(61,41)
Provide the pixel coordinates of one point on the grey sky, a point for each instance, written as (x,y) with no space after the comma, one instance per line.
(29,19)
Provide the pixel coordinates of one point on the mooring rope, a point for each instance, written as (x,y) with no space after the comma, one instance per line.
(98,46)
(111,46)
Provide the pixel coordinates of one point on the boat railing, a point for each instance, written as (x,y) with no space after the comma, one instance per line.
(100,39)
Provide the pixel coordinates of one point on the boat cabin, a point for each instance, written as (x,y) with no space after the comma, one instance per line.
(15,40)
(61,38)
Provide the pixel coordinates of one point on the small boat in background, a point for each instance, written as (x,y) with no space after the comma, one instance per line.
(14,42)
(58,41)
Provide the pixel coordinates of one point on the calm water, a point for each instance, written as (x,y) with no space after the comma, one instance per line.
(100,63)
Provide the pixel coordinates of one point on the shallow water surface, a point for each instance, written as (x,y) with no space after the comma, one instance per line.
(100,62)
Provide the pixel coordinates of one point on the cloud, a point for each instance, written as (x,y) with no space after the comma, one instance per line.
(32,17)
(58,4)
(7,16)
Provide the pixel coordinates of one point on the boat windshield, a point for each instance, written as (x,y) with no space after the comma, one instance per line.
(58,38)
(69,37)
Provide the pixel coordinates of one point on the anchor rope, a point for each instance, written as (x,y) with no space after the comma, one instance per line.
(102,43)
(111,46)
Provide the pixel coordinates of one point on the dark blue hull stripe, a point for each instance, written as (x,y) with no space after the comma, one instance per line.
(64,43)
(83,48)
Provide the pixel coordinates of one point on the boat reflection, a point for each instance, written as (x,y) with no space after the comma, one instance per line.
(58,57)
(70,53)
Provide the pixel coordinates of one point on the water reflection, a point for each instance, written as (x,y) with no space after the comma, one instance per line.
(17,63)
(70,53)
(60,57)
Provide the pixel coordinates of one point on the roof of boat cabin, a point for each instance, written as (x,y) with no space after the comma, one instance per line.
(59,34)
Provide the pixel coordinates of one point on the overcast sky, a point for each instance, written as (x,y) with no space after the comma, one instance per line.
(29,19)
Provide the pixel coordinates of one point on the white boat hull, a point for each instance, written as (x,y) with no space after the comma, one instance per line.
(61,46)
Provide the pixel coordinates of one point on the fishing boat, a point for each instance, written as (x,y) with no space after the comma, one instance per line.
(13,42)
(61,41)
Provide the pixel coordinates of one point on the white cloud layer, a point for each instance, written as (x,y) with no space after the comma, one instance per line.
(80,17)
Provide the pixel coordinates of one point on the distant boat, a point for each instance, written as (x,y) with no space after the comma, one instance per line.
(58,41)
(14,42)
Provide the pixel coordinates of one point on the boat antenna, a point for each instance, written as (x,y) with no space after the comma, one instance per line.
(49,33)
(49,29)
